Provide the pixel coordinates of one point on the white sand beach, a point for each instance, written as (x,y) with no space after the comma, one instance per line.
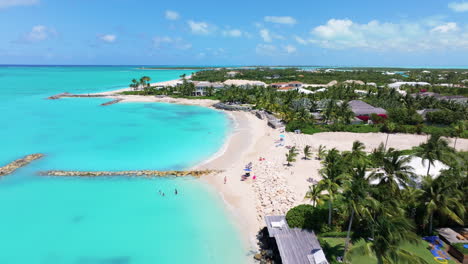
(277,187)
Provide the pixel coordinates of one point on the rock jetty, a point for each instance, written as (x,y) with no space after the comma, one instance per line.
(142,173)
(112,102)
(58,96)
(19,163)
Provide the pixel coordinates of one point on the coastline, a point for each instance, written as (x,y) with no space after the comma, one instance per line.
(277,187)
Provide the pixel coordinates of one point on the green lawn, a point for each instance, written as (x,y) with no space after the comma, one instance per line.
(336,247)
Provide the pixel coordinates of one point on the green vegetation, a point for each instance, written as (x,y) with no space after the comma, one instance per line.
(328,109)
(460,247)
(307,217)
(376,209)
(270,75)
(291,155)
(334,247)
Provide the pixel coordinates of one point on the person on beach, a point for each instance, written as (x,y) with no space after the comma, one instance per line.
(225,179)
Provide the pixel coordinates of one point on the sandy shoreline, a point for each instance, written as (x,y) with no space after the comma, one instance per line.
(277,187)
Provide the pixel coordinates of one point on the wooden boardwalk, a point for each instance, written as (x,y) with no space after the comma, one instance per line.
(296,246)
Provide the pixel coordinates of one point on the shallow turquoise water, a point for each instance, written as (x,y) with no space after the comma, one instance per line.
(106,220)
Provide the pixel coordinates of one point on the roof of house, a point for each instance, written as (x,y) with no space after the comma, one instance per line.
(362,108)
(295,82)
(296,246)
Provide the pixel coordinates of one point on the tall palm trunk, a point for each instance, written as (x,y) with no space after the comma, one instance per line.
(379,259)
(430,223)
(455,144)
(388,134)
(349,232)
(329,212)
(428,168)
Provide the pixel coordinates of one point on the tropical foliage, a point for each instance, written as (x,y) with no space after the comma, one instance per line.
(379,203)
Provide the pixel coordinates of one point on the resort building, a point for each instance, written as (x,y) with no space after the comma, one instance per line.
(397,85)
(294,84)
(244,83)
(231,74)
(358,82)
(295,245)
(455,98)
(286,89)
(362,109)
(201,88)
(279,85)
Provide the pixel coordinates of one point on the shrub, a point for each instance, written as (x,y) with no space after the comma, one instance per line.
(460,247)
(334,234)
(444,117)
(307,217)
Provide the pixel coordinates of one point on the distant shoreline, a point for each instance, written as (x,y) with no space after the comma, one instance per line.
(182,67)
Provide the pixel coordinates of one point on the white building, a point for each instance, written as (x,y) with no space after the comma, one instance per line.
(244,83)
(397,85)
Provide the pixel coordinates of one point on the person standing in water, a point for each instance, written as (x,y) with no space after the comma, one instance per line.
(175,192)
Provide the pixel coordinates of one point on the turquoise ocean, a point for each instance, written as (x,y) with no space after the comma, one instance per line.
(113,220)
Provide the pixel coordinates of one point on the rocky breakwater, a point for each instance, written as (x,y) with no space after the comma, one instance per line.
(274,197)
(10,168)
(139,173)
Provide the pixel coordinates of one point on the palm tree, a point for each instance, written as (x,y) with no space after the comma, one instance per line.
(321,152)
(332,177)
(356,197)
(135,84)
(459,128)
(395,171)
(442,198)
(307,152)
(434,149)
(315,195)
(344,113)
(391,231)
(390,128)
(357,156)
(291,155)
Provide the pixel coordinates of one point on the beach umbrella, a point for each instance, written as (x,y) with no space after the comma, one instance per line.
(282,135)
(247,170)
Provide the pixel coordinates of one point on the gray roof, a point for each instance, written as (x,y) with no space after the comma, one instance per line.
(296,246)
(362,108)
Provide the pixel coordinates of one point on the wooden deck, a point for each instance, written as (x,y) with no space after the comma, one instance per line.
(296,246)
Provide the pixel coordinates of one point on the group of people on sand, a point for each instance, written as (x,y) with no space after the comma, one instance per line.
(163,194)
(248,169)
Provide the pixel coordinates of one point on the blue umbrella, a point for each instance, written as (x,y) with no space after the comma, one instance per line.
(247,169)
(282,136)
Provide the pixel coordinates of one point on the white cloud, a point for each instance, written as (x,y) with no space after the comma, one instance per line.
(266,49)
(168,42)
(109,38)
(172,15)
(287,20)
(404,36)
(235,33)
(459,7)
(290,49)
(265,34)
(300,40)
(38,33)
(200,28)
(445,28)
(268,36)
(12,3)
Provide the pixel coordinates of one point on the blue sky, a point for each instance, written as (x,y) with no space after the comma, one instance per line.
(207,32)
